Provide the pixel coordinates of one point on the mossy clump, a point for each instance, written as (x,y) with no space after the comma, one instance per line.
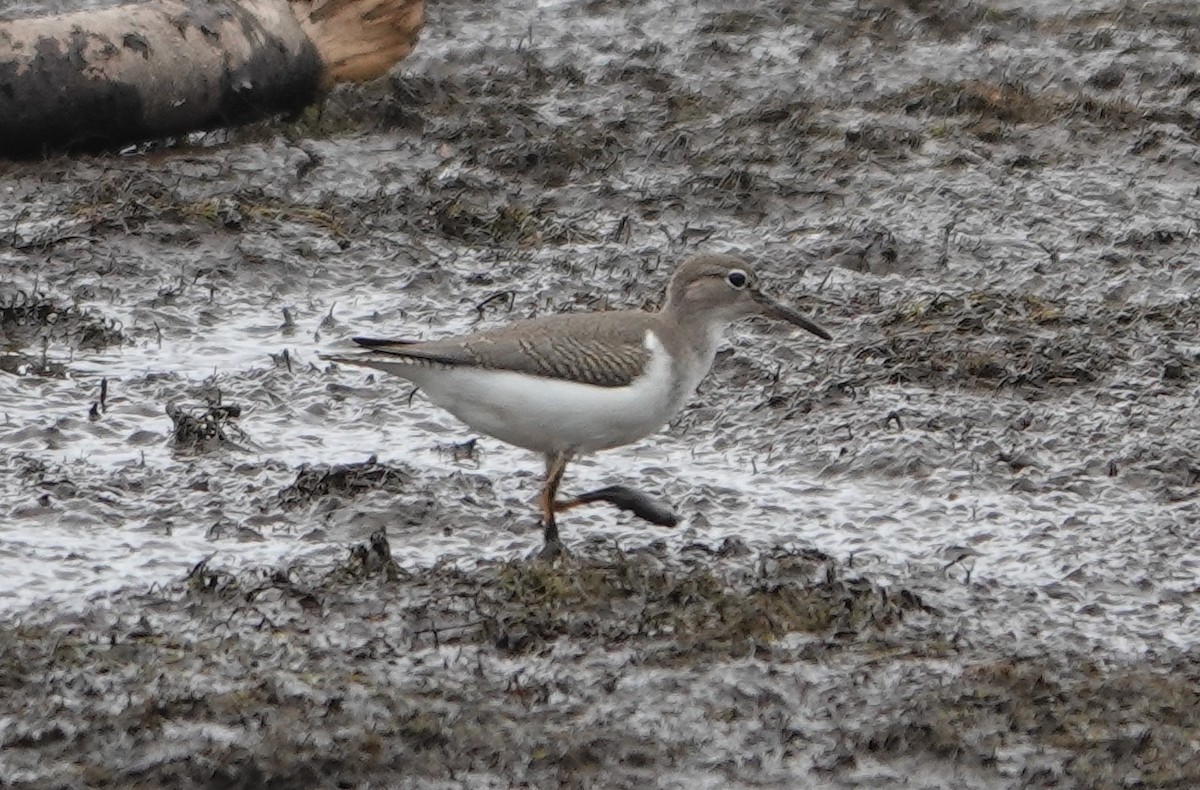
(30,318)
(110,209)
(1121,727)
(1008,102)
(509,223)
(882,139)
(674,612)
(995,106)
(212,429)
(993,339)
(345,480)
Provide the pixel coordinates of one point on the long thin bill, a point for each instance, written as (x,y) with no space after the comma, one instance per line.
(784,313)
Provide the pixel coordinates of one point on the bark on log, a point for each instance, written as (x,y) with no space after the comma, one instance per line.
(98,79)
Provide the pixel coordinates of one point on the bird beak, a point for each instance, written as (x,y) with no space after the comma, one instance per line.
(773,309)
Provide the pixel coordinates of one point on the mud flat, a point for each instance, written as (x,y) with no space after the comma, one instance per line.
(956,547)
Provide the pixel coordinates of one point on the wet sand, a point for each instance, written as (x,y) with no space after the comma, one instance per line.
(956,547)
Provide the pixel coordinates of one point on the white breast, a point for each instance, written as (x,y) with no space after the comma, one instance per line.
(693,368)
(551,415)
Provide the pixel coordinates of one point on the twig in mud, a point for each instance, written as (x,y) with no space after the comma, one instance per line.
(700,234)
(285,357)
(462,451)
(775,377)
(16,224)
(1052,254)
(936,302)
(959,555)
(313,160)
(434,631)
(528,35)
(506,296)
(367,559)
(329,321)
(622,232)
(200,578)
(944,256)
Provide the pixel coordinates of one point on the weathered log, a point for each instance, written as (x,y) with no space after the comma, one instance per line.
(97,79)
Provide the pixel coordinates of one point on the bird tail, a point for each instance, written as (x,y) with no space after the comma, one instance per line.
(388,355)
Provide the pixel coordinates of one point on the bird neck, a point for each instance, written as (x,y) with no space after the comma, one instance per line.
(696,332)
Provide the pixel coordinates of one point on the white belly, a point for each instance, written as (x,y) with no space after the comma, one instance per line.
(551,415)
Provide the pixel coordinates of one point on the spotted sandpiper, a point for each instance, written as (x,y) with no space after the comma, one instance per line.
(570,384)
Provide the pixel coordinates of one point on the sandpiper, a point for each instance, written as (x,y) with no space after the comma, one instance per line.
(570,384)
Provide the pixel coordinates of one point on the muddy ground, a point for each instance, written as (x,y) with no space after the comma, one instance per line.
(956,547)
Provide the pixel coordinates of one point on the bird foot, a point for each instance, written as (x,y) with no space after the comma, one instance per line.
(551,550)
(636,502)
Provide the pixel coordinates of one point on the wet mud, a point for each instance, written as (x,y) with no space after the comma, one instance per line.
(955,547)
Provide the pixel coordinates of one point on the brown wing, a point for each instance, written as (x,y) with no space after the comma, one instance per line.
(603,349)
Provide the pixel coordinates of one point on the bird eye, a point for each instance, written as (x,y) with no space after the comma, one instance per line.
(737,278)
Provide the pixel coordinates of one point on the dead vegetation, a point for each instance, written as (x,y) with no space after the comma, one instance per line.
(1013,103)
(991,340)
(680,616)
(33,325)
(1119,727)
(994,341)
(344,481)
(507,224)
(672,616)
(146,201)
(32,318)
(213,428)
(676,615)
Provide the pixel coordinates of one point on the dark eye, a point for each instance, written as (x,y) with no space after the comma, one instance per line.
(737,278)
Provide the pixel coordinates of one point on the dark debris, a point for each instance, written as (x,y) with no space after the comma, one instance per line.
(214,428)
(29,319)
(1122,726)
(344,480)
(675,614)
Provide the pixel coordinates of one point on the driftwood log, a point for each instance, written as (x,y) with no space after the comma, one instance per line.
(98,79)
